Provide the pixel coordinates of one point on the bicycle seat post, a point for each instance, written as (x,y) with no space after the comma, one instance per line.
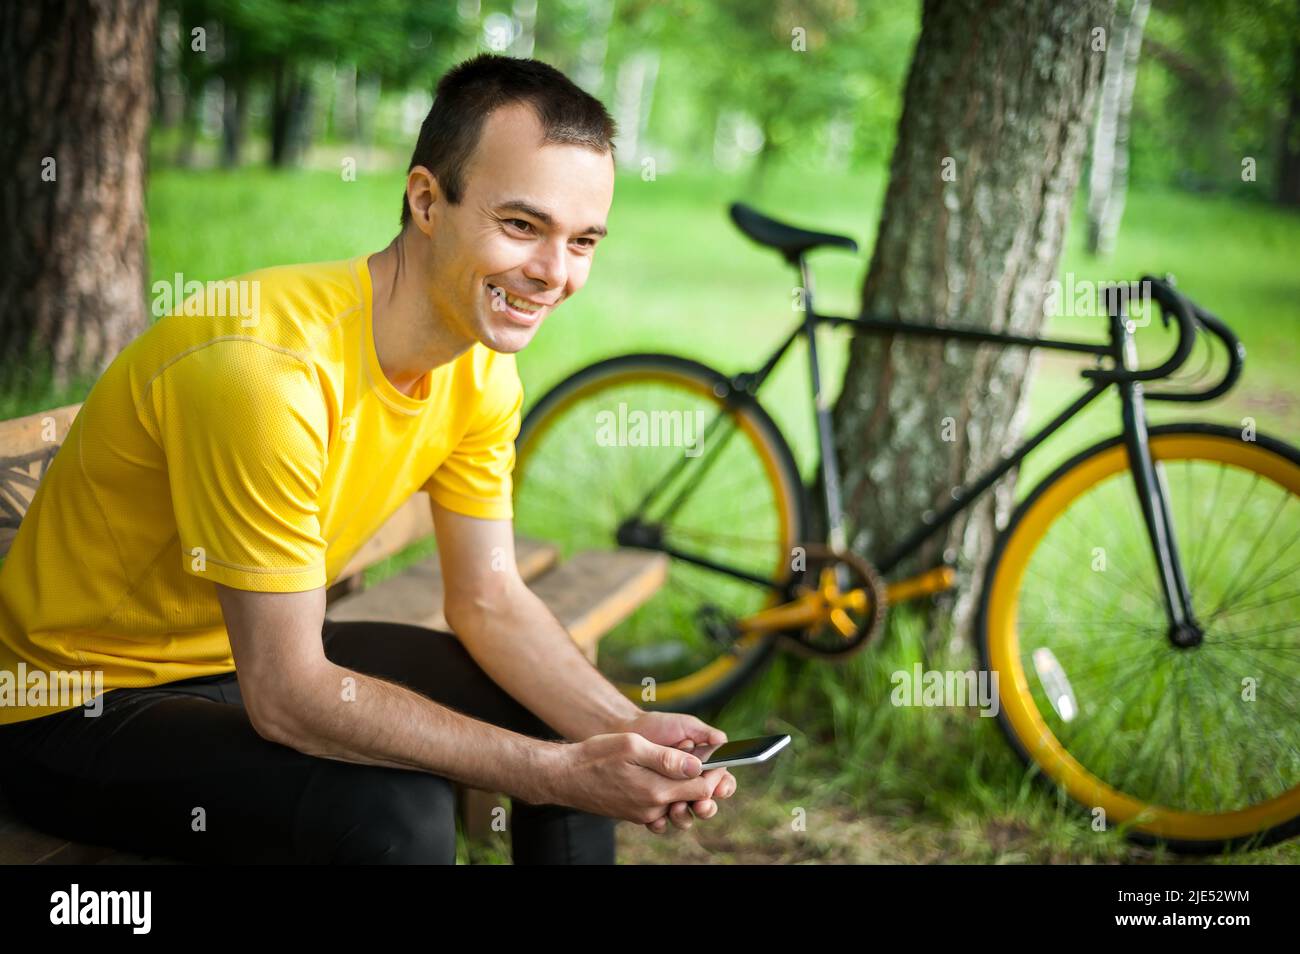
(825,433)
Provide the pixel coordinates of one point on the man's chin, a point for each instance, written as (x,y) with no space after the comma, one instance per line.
(507,337)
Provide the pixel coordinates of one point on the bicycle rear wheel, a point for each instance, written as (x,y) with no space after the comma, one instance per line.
(1196,747)
(651,436)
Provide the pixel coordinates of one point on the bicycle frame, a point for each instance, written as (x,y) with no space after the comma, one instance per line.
(1124,375)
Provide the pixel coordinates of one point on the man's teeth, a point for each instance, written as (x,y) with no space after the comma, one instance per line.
(520,303)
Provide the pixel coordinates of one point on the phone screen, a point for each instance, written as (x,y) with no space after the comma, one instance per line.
(739,749)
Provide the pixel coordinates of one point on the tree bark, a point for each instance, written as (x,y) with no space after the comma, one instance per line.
(74,122)
(1108,182)
(995,120)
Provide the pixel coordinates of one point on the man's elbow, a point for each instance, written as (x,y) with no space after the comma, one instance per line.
(461,615)
(470,613)
(274,715)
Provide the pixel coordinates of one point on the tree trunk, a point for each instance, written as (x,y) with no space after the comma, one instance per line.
(74,117)
(234,118)
(190,120)
(1108,182)
(1288,166)
(291,103)
(990,144)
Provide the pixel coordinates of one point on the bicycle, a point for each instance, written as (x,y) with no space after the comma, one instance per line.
(1159,687)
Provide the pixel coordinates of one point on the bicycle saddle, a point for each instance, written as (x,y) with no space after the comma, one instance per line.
(790,241)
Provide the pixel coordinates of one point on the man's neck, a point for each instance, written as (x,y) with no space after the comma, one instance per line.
(410,338)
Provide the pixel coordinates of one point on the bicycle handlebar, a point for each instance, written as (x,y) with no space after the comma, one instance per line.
(1169,301)
(1190,317)
(1236,352)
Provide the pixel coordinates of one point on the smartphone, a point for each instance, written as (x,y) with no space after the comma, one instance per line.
(741,751)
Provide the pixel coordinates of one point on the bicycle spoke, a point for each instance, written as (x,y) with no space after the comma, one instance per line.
(1203,561)
(1230,589)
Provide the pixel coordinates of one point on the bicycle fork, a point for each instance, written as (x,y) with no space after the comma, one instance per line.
(1153,495)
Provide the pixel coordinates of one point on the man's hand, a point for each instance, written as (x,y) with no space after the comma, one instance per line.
(623,775)
(685,732)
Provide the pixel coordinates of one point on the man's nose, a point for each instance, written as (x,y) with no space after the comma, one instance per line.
(548,266)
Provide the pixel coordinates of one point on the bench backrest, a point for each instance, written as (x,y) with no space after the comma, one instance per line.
(28,445)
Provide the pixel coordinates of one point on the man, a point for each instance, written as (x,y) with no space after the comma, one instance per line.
(226,467)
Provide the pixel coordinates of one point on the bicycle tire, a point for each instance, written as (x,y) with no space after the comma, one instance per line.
(998,626)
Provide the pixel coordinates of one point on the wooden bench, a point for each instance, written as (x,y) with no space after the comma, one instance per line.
(589,593)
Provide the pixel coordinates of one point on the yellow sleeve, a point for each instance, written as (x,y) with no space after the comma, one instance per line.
(475,479)
(245,432)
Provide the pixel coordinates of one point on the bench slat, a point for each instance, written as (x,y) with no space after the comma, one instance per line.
(25,435)
(25,454)
(415,595)
(412,521)
(595,590)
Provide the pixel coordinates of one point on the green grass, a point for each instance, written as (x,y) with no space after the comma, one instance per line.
(875,782)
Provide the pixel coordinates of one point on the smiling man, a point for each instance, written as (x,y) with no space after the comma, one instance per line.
(224,470)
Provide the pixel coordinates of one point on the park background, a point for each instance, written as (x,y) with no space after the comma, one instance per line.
(285,138)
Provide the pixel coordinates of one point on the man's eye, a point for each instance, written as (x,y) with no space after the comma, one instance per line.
(586,243)
(520,224)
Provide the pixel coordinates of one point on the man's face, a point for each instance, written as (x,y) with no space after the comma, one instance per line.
(522,238)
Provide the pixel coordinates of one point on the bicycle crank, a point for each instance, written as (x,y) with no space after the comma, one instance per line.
(831,614)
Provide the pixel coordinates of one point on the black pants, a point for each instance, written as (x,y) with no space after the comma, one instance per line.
(178,771)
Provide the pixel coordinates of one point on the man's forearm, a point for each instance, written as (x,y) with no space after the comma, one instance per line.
(374,722)
(532,657)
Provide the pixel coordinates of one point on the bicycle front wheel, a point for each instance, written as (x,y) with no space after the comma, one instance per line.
(1196,747)
(657,439)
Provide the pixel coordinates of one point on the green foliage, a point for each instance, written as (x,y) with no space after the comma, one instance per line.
(394,39)
(793,68)
(822,79)
(1212,90)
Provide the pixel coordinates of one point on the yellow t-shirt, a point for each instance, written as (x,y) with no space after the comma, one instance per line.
(258,448)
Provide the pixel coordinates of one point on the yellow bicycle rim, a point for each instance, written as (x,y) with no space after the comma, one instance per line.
(1005,657)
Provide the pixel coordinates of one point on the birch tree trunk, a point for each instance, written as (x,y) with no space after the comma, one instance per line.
(995,121)
(1108,181)
(74,122)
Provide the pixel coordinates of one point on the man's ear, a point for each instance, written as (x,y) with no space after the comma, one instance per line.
(422,194)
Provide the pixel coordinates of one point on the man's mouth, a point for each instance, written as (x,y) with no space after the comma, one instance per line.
(520,310)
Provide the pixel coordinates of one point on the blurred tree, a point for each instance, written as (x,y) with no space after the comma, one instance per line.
(274,47)
(752,85)
(995,121)
(1288,162)
(1108,180)
(1288,137)
(1213,107)
(74,118)
(792,66)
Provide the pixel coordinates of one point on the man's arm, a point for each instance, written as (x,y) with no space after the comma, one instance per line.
(296,696)
(518,642)
(513,635)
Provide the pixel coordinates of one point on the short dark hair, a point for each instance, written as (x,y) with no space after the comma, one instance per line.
(471,90)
